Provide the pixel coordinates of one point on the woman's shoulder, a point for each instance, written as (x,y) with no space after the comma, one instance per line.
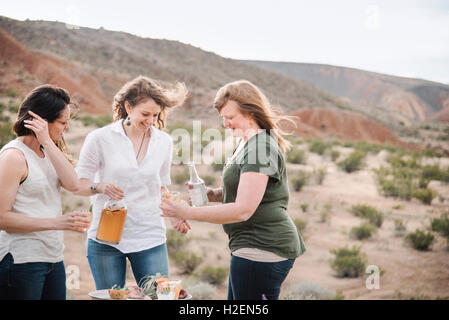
(13,156)
(261,141)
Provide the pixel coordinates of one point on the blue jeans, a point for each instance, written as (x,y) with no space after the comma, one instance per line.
(5,270)
(249,280)
(38,281)
(108,264)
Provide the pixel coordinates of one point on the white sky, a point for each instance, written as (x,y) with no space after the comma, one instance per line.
(400,37)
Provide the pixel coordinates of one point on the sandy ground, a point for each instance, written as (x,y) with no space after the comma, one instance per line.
(406,272)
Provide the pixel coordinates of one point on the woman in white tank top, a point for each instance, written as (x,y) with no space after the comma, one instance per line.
(33,167)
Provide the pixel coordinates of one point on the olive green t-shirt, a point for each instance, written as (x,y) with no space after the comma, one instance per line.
(270,228)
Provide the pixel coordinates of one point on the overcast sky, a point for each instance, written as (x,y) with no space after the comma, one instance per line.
(399,37)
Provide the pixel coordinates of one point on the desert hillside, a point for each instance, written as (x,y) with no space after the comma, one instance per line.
(123,54)
(407,97)
(93,64)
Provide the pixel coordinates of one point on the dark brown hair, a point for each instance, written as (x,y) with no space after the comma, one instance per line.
(141,89)
(48,102)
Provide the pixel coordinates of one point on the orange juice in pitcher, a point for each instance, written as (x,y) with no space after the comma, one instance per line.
(112,221)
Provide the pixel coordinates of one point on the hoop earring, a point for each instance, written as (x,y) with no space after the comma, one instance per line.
(128,121)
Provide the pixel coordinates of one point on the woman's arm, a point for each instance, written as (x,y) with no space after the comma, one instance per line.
(110,189)
(250,192)
(64,169)
(13,169)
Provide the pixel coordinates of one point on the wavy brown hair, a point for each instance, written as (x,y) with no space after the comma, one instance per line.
(48,102)
(141,89)
(252,102)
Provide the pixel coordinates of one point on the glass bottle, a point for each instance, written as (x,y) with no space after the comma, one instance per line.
(197,187)
(112,221)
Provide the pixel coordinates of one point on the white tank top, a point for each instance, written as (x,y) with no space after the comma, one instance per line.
(4,245)
(38,197)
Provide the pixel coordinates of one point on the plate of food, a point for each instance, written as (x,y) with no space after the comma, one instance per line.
(131,293)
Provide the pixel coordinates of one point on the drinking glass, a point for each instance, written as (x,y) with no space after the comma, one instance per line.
(85,213)
(171,195)
(168,290)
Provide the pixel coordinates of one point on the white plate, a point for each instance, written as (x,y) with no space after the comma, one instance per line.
(104,295)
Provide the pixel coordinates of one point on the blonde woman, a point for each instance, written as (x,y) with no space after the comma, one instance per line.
(131,156)
(263,240)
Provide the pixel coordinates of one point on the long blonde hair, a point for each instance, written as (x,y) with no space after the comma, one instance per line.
(142,89)
(252,102)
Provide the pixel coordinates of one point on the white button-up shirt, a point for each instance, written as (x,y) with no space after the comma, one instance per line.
(108,156)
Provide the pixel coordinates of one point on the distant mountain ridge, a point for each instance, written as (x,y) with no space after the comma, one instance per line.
(413,98)
(129,55)
(94,63)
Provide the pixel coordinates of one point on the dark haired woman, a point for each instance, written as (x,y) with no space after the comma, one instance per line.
(133,152)
(33,167)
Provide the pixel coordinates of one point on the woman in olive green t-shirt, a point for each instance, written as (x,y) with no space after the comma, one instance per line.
(263,240)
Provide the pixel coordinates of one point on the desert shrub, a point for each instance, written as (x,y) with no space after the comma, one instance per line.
(176,241)
(325,214)
(398,161)
(399,227)
(214,275)
(366,147)
(320,174)
(353,162)
(180,177)
(363,231)
(2,107)
(209,180)
(432,172)
(300,180)
(318,146)
(296,156)
(300,224)
(334,155)
(96,121)
(425,195)
(304,207)
(202,291)
(441,225)
(420,240)
(6,134)
(370,213)
(348,263)
(307,291)
(187,261)
(13,93)
(399,186)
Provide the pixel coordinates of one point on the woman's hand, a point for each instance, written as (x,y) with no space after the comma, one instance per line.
(111,190)
(174,209)
(180,225)
(75,221)
(212,195)
(40,128)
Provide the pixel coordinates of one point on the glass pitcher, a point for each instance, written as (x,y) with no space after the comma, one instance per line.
(112,221)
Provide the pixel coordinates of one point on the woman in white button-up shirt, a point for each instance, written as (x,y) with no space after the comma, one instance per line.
(131,158)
